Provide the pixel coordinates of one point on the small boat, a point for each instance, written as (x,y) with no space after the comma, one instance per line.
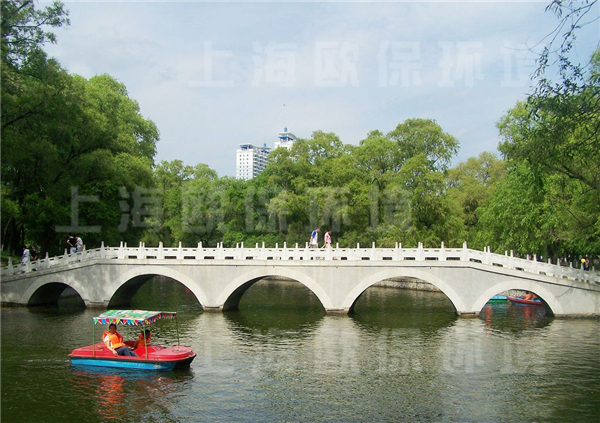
(498,299)
(149,357)
(523,301)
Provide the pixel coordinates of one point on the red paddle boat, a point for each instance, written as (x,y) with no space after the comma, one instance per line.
(149,357)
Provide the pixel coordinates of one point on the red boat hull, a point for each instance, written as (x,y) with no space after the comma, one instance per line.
(157,357)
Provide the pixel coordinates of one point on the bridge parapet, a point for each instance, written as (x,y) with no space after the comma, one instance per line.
(419,254)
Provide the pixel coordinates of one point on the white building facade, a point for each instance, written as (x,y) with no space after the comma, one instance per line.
(250,160)
(285,139)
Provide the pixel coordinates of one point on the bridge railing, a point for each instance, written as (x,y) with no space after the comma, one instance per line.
(297,252)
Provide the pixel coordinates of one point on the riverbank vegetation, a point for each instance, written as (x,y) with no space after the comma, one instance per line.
(78,154)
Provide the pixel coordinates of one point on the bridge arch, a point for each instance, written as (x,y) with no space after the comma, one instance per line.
(231,295)
(143,273)
(522,285)
(47,290)
(442,285)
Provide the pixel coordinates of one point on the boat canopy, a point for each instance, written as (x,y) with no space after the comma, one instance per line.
(133,317)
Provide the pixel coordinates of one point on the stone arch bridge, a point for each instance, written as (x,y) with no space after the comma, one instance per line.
(218,277)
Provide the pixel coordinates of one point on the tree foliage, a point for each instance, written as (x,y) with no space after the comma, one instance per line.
(73,150)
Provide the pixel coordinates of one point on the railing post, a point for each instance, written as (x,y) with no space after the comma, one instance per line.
(488,255)
(420,252)
(46,261)
(11,269)
(221,251)
(511,260)
(102,250)
(120,252)
(464,256)
(328,253)
(442,256)
(179,252)
(262,255)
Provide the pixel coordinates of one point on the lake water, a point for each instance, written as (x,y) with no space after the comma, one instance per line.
(402,357)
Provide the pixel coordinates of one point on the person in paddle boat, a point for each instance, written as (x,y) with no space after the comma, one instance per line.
(139,343)
(529,296)
(114,342)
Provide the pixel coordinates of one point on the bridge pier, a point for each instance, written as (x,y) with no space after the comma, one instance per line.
(337,311)
(468,315)
(218,309)
(96,304)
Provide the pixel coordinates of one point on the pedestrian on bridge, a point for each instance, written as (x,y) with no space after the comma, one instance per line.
(327,239)
(78,244)
(314,238)
(72,243)
(25,255)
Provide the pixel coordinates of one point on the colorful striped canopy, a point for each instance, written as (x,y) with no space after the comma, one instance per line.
(133,317)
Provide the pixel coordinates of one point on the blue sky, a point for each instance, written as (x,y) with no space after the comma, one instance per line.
(212,75)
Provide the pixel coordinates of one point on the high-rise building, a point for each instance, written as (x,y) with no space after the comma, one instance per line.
(285,139)
(250,160)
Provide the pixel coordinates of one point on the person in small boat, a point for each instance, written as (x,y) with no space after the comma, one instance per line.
(529,296)
(140,341)
(114,342)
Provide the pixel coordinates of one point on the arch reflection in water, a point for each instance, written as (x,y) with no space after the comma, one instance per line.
(275,313)
(381,307)
(128,396)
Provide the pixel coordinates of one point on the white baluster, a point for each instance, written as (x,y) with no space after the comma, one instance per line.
(11,269)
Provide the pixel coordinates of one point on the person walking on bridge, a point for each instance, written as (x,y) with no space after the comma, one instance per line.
(314,238)
(72,243)
(327,238)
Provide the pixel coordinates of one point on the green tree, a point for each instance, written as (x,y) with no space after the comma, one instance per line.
(25,30)
(424,137)
(64,137)
(556,136)
(470,186)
